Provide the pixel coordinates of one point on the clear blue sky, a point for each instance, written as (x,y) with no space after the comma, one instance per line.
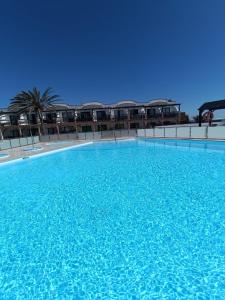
(109,50)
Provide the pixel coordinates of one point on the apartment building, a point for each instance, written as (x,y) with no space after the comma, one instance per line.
(92,116)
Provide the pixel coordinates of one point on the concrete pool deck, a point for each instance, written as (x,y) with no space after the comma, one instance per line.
(19,153)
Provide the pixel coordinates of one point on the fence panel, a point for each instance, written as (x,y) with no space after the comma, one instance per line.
(141,132)
(107,134)
(36,139)
(117,133)
(89,135)
(81,135)
(198,132)
(44,138)
(183,132)
(29,140)
(170,132)
(159,132)
(97,135)
(125,132)
(132,132)
(15,143)
(23,141)
(217,132)
(55,137)
(149,132)
(5,144)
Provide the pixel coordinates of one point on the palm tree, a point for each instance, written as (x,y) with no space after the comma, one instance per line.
(34,101)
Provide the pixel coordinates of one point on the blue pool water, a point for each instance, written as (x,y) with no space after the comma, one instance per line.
(130,220)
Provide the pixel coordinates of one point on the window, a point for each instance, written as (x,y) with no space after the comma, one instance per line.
(151,112)
(101,115)
(121,114)
(85,116)
(50,118)
(166,110)
(68,116)
(13,120)
(133,113)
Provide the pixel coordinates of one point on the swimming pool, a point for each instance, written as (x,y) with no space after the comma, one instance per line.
(115,220)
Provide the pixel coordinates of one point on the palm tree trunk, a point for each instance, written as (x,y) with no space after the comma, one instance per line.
(40,115)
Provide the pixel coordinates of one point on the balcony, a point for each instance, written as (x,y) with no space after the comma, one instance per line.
(14,123)
(50,118)
(154,116)
(85,116)
(137,117)
(5,123)
(171,114)
(103,118)
(84,119)
(22,122)
(68,120)
(49,121)
(67,117)
(121,118)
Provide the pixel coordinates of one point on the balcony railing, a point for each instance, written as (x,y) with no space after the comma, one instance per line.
(49,121)
(5,123)
(67,120)
(120,118)
(152,116)
(137,117)
(170,114)
(104,118)
(84,119)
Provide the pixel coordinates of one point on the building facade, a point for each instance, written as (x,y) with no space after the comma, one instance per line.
(92,116)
